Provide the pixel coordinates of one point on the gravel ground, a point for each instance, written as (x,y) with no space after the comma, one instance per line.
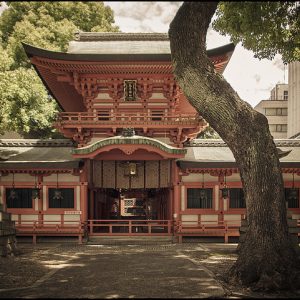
(34,263)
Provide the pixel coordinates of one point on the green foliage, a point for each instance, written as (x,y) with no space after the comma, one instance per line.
(26,106)
(208,133)
(266,28)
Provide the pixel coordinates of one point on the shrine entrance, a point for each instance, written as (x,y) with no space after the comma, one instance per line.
(130,212)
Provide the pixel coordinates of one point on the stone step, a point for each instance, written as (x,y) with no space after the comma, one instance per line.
(129,240)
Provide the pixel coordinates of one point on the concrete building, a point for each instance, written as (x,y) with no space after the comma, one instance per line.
(276,111)
(294,100)
(282,109)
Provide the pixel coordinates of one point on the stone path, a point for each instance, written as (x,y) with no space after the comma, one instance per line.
(137,271)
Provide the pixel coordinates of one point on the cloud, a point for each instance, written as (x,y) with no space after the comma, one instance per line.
(151,16)
(277,62)
(257,78)
(253,79)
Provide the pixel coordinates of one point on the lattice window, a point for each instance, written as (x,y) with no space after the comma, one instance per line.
(195,200)
(236,198)
(157,115)
(66,200)
(19,198)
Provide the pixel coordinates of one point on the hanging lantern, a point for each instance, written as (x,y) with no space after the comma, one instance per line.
(57,195)
(203,194)
(225,190)
(35,192)
(293,193)
(57,192)
(13,195)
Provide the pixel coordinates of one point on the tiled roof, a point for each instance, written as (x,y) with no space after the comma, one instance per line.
(128,43)
(120,36)
(221,143)
(29,154)
(35,143)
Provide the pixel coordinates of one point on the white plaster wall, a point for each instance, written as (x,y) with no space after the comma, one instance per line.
(77,191)
(29,218)
(216,197)
(72,219)
(182,198)
(225,203)
(198,178)
(55,218)
(61,178)
(36,204)
(209,219)
(18,177)
(1,194)
(157,96)
(14,217)
(289,177)
(189,219)
(235,177)
(295,216)
(44,198)
(164,140)
(232,217)
(103,96)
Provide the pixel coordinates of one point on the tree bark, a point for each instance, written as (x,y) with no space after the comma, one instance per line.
(267,259)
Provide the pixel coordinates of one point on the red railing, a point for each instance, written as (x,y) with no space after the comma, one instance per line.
(124,119)
(129,227)
(207,228)
(36,228)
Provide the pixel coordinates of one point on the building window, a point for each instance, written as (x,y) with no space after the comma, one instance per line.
(279,111)
(278,127)
(103,115)
(195,198)
(66,199)
(236,198)
(157,115)
(285,95)
(19,198)
(292,202)
(129,90)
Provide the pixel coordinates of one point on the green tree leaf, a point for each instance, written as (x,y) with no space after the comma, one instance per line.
(26,106)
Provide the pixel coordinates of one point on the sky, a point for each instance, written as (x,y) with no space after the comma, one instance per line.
(250,77)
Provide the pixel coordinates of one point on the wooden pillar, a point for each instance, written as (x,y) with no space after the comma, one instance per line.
(92,204)
(177,191)
(221,200)
(84,201)
(41,199)
(171,204)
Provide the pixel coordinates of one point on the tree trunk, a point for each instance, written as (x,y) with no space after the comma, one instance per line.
(267,259)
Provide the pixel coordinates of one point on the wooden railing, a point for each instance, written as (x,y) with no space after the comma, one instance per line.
(85,118)
(129,227)
(207,228)
(36,228)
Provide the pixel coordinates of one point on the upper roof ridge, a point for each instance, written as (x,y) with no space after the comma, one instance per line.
(121,36)
(221,143)
(35,143)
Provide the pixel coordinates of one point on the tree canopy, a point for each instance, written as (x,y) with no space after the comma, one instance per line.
(266,28)
(26,106)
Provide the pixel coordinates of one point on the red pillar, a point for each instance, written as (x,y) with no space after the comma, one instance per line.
(84,201)
(177,191)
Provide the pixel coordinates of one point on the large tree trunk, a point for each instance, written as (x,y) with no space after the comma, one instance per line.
(267,259)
